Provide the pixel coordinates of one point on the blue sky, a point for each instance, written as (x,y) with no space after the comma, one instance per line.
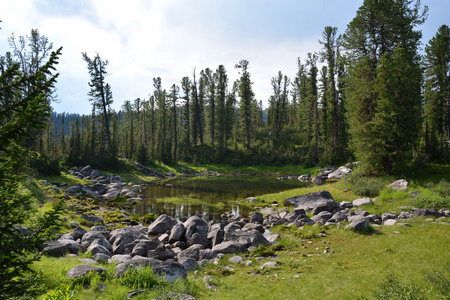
(168,38)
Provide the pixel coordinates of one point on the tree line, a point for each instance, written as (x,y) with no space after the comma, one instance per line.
(367,95)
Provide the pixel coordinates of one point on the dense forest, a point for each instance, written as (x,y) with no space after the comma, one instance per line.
(368,95)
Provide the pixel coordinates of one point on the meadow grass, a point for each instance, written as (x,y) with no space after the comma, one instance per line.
(359,263)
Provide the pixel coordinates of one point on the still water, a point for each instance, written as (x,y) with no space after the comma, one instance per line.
(213,195)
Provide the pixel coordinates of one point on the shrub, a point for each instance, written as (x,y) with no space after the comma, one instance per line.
(430,199)
(369,187)
(392,288)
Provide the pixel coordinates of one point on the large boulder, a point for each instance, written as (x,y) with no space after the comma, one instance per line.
(399,185)
(340,173)
(177,233)
(161,253)
(195,225)
(424,212)
(251,238)
(191,252)
(359,224)
(229,247)
(256,217)
(82,270)
(304,178)
(362,201)
(162,224)
(74,235)
(314,202)
(55,249)
(143,246)
(91,236)
(215,234)
(295,214)
(122,239)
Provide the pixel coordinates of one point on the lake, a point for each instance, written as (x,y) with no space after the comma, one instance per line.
(210,196)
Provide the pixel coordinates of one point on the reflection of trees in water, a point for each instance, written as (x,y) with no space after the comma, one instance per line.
(210,192)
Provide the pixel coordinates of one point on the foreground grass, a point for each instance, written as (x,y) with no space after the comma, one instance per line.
(359,263)
(355,268)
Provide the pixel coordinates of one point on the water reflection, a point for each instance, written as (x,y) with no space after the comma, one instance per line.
(216,195)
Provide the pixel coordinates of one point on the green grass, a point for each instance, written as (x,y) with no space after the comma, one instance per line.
(190,200)
(295,170)
(359,263)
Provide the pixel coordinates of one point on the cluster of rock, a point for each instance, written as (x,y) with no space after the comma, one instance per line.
(326,211)
(102,186)
(169,247)
(325,174)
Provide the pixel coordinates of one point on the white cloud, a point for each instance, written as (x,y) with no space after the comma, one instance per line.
(144,39)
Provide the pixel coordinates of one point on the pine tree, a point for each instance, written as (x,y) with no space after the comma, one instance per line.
(246,96)
(100,95)
(437,90)
(380,36)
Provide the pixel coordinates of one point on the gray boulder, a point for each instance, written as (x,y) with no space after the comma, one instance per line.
(162,224)
(362,201)
(161,253)
(74,189)
(359,224)
(195,225)
(216,233)
(96,249)
(177,233)
(90,192)
(122,239)
(340,173)
(304,178)
(197,238)
(189,264)
(229,247)
(314,202)
(74,235)
(399,185)
(143,246)
(91,236)
(191,252)
(424,212)
(82,270)
(338,217)
(256,217)
(251,238)
(71,245)
(295,214)
(55,249)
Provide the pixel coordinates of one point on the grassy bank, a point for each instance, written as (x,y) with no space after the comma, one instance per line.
(313,262)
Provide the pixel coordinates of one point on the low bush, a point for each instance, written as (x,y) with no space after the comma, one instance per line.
(430,199)
(392,288)
(369,187)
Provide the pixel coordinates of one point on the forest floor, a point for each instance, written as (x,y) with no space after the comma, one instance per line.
(314,262)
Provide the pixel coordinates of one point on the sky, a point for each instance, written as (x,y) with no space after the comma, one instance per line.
(144,39)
